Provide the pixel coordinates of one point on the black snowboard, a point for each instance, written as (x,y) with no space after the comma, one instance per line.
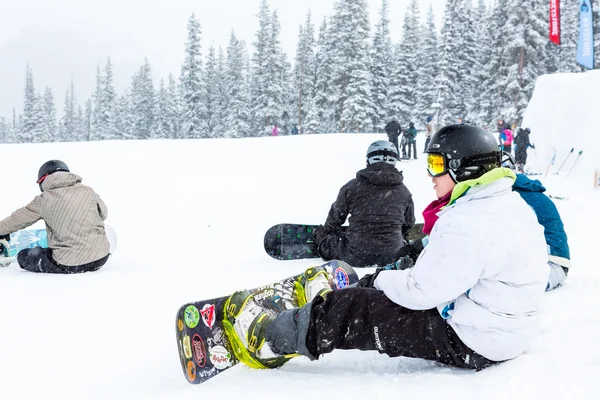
(295,241)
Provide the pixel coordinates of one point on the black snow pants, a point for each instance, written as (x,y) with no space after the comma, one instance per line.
(335,246)
(366,319)
(39,259)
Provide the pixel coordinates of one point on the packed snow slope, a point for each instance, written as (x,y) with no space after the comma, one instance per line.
(190,217)
(563,114)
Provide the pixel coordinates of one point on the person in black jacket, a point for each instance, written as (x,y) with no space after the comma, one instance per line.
(393,130)
(381,212)
(521,145)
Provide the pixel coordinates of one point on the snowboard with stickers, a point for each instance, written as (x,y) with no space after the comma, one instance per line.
(205,350)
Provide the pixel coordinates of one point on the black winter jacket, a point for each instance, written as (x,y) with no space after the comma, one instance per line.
(393,130)
(381,210)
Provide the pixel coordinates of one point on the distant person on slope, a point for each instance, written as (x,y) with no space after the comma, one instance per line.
(429,129)
(381,212)
(412,140)
(469,301)
(275,131)
(74,215)
(393,130)
(507,139)
(521,145)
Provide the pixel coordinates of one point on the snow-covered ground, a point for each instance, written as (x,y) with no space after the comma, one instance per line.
(190,218)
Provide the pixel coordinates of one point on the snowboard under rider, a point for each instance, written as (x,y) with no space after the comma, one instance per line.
(380,210)
(468,301)
(74,215)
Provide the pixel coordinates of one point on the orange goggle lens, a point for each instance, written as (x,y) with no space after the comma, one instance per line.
(436,165)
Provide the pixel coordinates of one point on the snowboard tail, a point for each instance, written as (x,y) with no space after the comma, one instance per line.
(291,242)
(201,327)
(295,241)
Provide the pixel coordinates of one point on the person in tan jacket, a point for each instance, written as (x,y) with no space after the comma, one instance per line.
(74,215)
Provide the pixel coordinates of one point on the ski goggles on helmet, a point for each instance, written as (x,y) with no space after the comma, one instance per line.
(436,165)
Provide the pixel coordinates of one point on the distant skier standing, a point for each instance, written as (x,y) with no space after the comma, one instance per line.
(412,140)
(429,129)
(522,143)
(393,130)
(74,215)
(275,131)
(380,210)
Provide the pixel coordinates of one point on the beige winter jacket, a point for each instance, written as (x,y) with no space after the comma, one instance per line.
(74,216)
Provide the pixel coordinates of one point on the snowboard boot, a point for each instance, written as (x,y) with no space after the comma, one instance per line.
(4,246)
(245,324)
(314,282)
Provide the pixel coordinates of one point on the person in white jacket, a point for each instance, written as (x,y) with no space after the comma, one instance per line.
(468,301)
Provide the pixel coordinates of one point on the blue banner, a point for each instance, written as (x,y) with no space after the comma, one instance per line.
(585,47)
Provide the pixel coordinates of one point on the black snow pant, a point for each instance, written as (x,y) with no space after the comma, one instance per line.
(521,155)
(39,259)
(365,319)
(394,141)
(427,140)
(412,145)
(334,246)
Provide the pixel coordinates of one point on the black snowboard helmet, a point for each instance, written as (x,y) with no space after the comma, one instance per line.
(50,167)
(464,151)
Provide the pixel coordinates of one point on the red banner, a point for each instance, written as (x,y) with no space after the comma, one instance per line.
(555,21)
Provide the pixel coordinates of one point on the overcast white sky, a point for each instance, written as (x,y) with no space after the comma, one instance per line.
(68,38)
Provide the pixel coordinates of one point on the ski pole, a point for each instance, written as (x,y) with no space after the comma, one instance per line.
(551,163)
(575,162)
(566,158)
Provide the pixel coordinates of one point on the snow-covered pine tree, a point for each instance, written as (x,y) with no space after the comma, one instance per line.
(495,69)
(211,92)
(28,126)
(174,108)
(142,103)
(351,73)
(236,113)
(4,128)
(193,117)
(161,128)
(88,121)
(426,88)
(381,67)
(482,54)
(78,125)
(221,101)
(124,118)
(39,133)
(304,71)
(49,116)
(268,74)
(467,59)
(404,72)
(446,80)
(321,115)
(526,34)
(95,108)
(66,126)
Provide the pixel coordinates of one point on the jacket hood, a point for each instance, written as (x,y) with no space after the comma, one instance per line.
(527,184)
(60,179)
(381,174)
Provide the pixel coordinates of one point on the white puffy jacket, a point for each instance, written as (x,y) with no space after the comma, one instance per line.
(485,269)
